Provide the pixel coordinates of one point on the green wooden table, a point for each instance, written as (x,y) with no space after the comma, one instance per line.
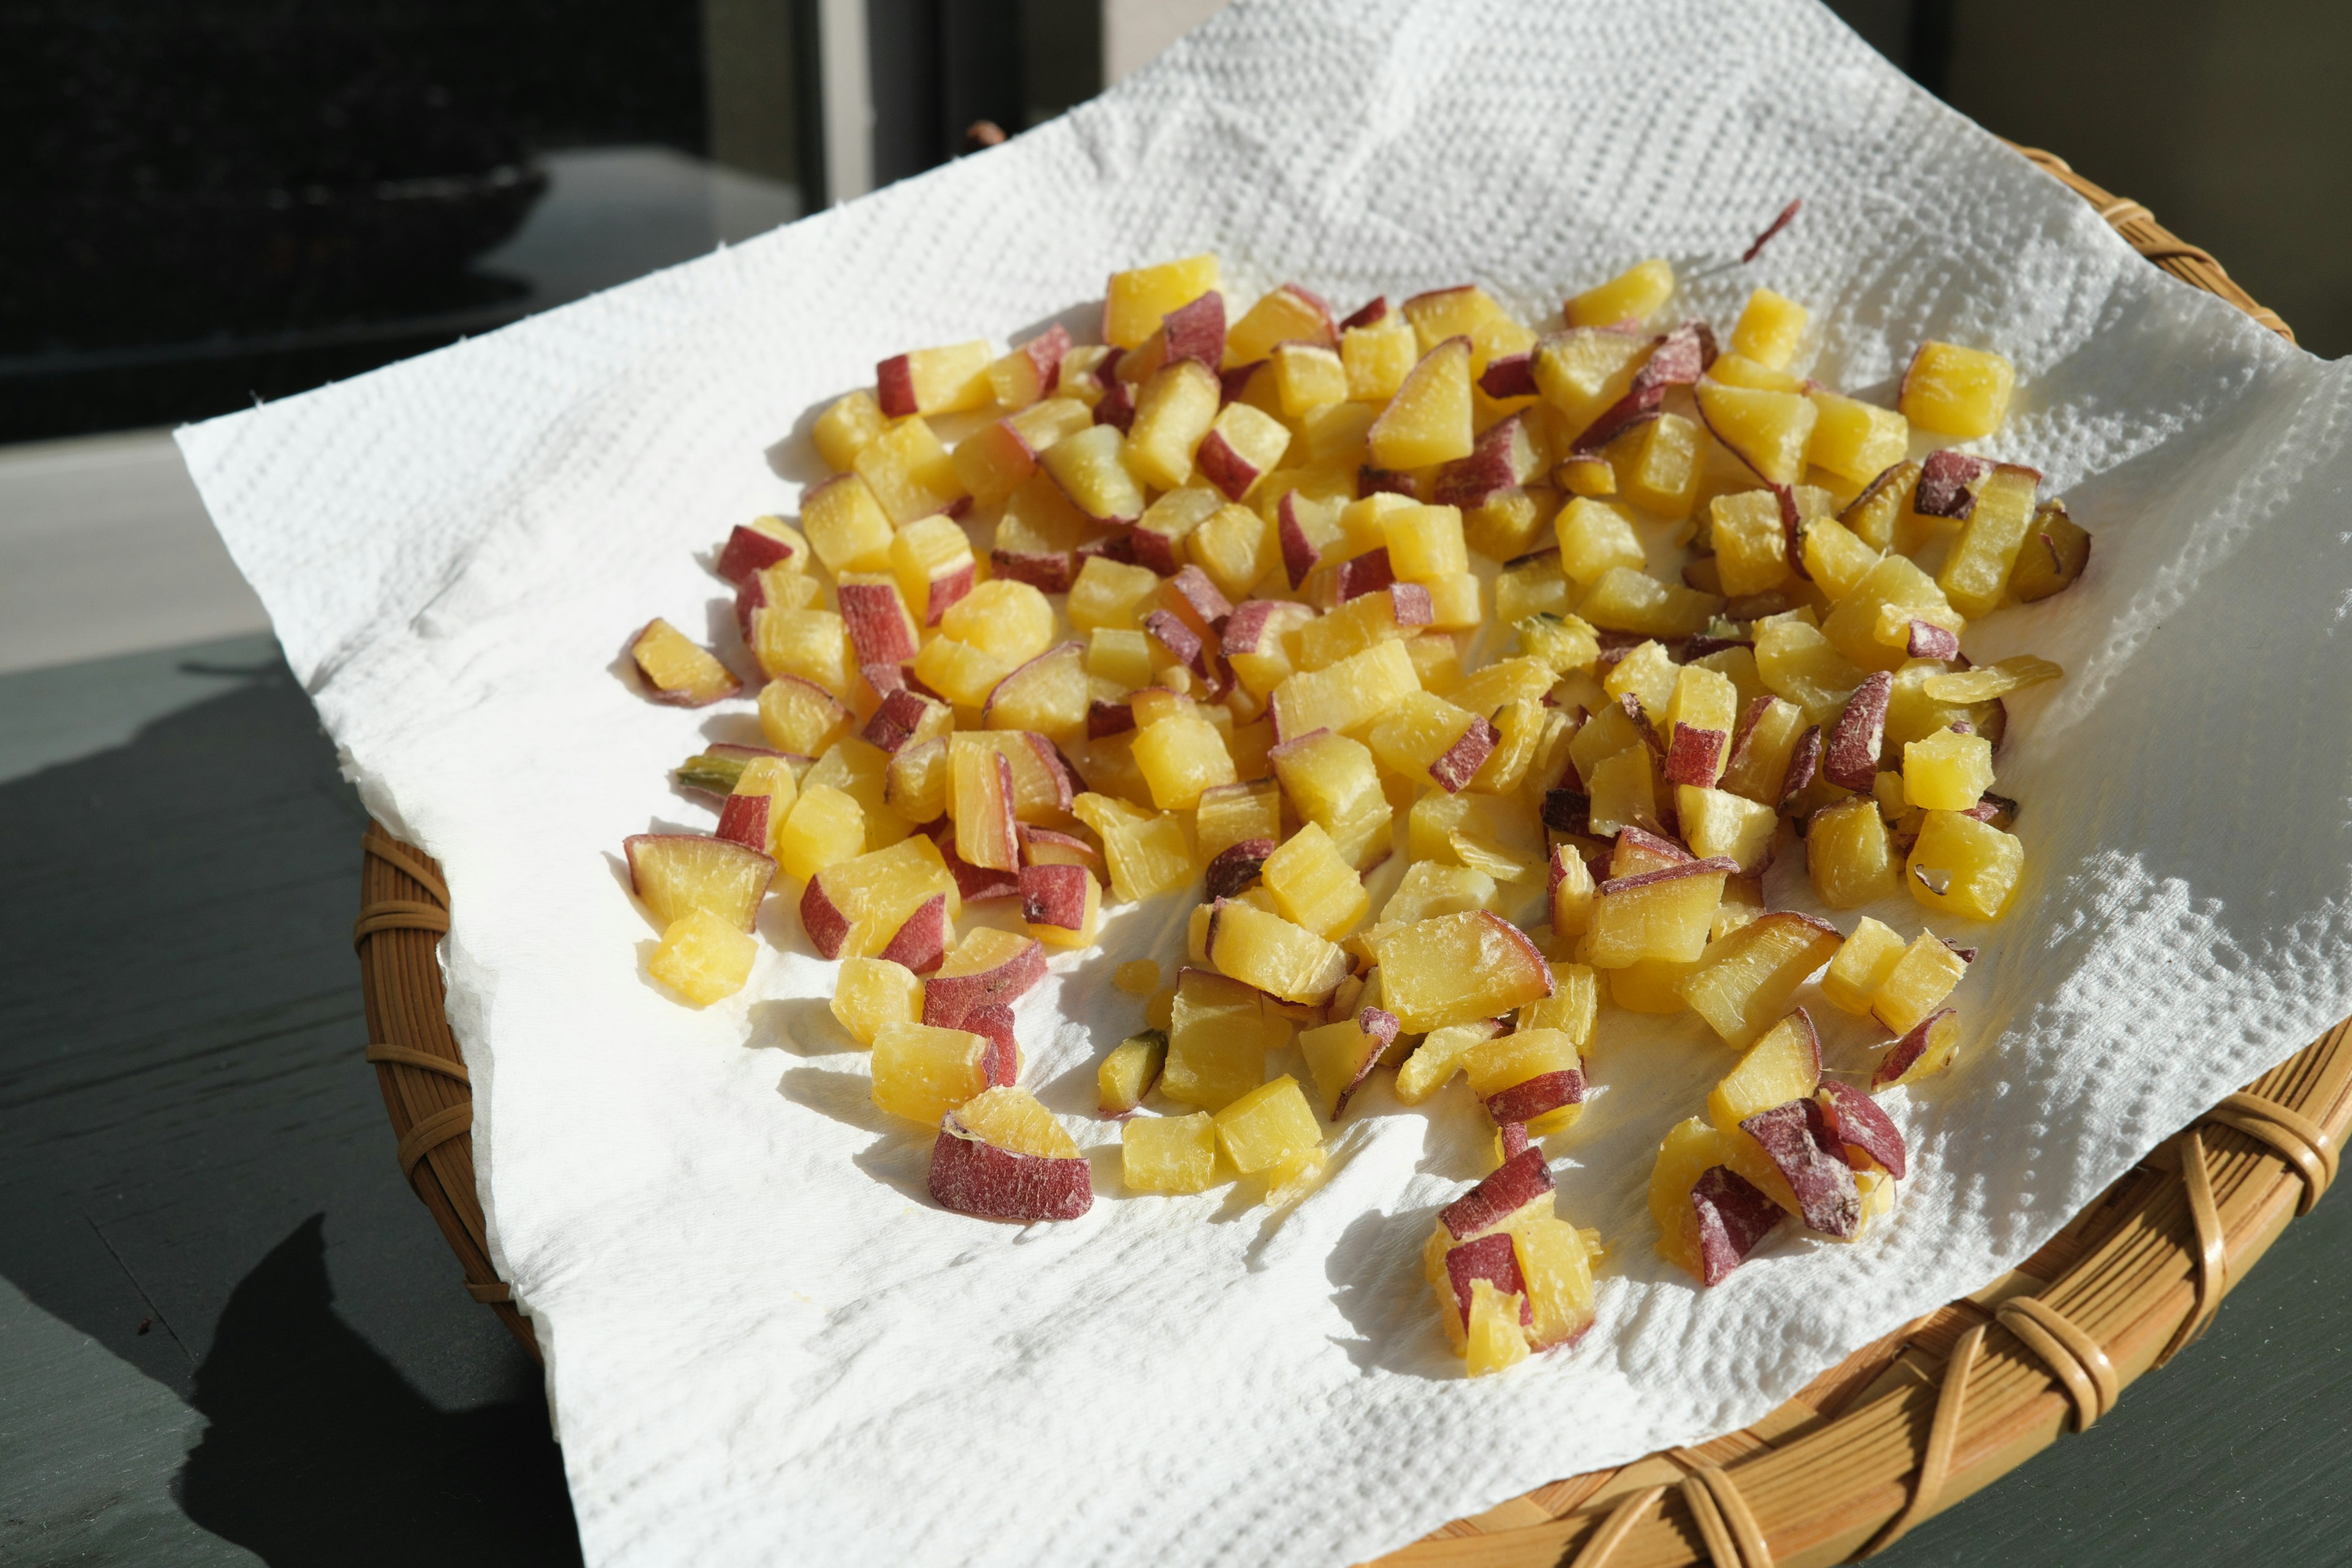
(228,1332)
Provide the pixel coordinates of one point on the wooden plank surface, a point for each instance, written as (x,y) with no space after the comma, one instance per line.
(199,1209)
(228,1334)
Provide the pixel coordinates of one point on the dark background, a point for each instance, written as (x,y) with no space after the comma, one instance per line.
(211,201)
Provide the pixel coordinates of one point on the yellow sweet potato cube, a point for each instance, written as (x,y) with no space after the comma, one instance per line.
(870,992)
(1848,854)
(1269,1123)
(1314,886)
(1956,391)
(1946,770)
(922,1072)
(702,957)
(1169,1154)
(1219,1032)
(1135,299)
(1963,866)
(1453,968)
(1634,294)
(1665,914)
(1916,983)
(1769,329)
(1862,965)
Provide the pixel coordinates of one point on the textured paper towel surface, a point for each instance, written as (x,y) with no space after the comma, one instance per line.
(767,1345)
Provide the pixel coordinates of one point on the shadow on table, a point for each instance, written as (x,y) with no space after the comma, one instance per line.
(181,1085)
(319,1452)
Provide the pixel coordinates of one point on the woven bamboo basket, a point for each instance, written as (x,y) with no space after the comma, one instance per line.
(1894,1434)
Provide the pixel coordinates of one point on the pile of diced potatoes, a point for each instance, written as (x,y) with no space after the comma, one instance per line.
(1555,638)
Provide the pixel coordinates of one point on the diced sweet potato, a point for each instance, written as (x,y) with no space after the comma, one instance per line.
(855,907)
(1341,1056)
(1963,866)
(702,957)
(1956,391)
(1218,1036)
(987,967)
(1314,886)
(921,1072)
(1848,854)
(1745,981)
(1134,1065)
(1863,964)
(1453,968)
(672,873)
(869,992)
(1917,983)
(1665,914)
(1169,1154)
(1000,1155)
(1925,1051)
(1440,1055)
(1785,1064)
(1798,1138)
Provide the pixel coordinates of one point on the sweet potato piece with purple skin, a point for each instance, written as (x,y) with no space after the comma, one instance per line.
(1567,811)
(1504,458)
(1371,314)
(747,551)
(1734,1219)
(1461,760)
(1929,640)
(949,1000)
(1805,763)
(1372,481)
(1299,552)
(750,594)
(1522,1102)
(1380,1027)
(1105,719)
(1053,896)
(1115,408)
(1234,383)
(1796,1136)
(1196,601)
(1997,809)
(1044,847)
(1411,605)
(1234,868)
(1048,573)
(1638,407)
(1510,1187)
(876,617)
(1511,375)
(1680,357)
(920,941)
(1851,756)
(1196,330)
(1367,574)
(1182,643)
(1906,1053)
(1947,481)
(743,819)
(895,722)
(993,1021)
(1515,1138)
(1492,1258)
(1694,757)
(975,884)
(974,1177)
(1858,1124)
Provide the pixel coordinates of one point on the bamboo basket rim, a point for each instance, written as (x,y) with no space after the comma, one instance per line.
(1893,1434)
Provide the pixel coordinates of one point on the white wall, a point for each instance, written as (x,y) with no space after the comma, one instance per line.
(1134,31)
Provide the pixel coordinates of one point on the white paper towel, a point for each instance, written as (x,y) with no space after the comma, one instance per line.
(766,1345)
